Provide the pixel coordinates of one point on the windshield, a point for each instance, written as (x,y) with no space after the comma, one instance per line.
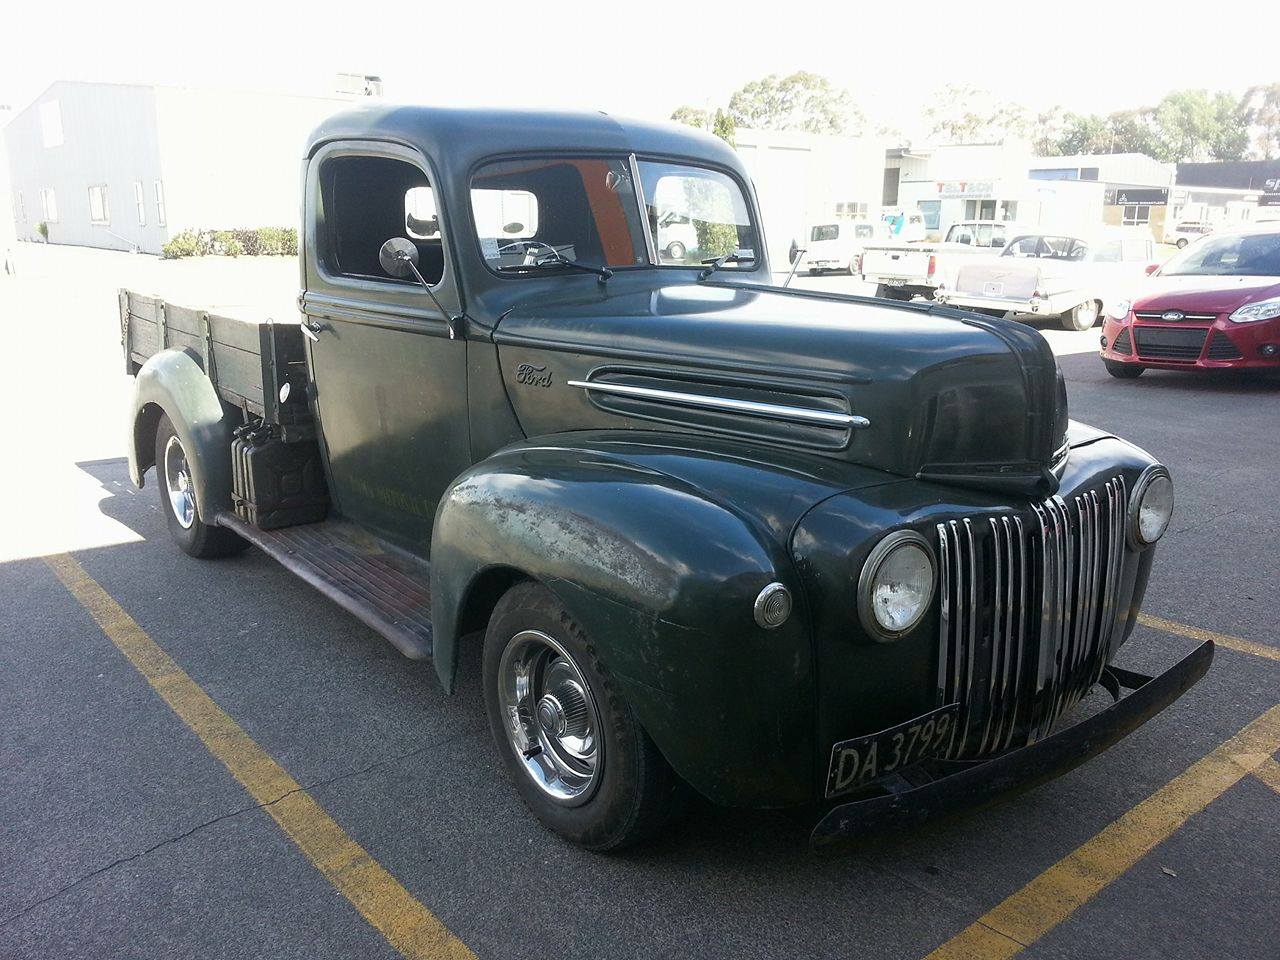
(696,214)
(1241,255)
(1048,248)
(538,213)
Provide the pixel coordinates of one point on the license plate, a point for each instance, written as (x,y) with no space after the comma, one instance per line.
(856,762)
(895,283)
(993,289)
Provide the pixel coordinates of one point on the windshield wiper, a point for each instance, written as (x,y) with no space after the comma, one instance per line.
(715,263)
(558,260)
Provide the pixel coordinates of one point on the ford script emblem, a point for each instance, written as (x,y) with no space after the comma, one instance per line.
(1173,315)
(533,375)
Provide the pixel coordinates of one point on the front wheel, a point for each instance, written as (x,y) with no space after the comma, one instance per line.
(1123,371)
(1081,317)
(178,501)
(1182,243)
(566,735)
(675,250)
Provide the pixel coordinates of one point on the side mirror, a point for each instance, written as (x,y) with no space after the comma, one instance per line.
(1151,268)
(399,258)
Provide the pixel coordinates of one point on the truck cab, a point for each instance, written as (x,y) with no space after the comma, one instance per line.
(779,548)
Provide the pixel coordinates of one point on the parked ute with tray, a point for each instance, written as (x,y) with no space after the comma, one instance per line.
(786,549)
(901,270)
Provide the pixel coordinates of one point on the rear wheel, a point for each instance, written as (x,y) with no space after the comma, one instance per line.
(1082,317)
(675,250)
(1182,243)
(566,735)
(178,501)
(1123,371)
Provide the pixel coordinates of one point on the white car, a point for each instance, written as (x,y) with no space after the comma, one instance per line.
(676,236)
(1186,232)
(1054,275)
(836,246)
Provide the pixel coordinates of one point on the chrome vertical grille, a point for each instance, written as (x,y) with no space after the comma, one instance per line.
(1028,610)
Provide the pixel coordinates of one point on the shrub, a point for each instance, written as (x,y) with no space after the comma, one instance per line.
(184,244)
(42,228)
(289,243)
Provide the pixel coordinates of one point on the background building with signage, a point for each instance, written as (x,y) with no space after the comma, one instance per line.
(1231,190)
(986,181)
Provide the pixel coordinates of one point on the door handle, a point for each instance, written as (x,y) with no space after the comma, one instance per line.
(310,329)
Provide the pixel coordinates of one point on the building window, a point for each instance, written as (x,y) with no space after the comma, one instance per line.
(932,212)
(51,124)
(851,210)
(979,209)
(1137,214)
(49,205)
(99,212)
(159,202)
(140,201)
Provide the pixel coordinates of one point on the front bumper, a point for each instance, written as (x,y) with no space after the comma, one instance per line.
(949,787)
(1222,345)
(1014,306)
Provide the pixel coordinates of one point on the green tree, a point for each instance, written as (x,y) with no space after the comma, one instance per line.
(691,116)
(1085,133)
(1260,116)
(801,101)
(959,113)
(1199,125)
(722,126)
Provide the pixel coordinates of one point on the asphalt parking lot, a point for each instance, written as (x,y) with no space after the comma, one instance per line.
(360,812)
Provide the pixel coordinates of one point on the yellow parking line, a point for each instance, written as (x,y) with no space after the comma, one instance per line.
(1238,644)
(409,926)
(1052,897)
(1269,773)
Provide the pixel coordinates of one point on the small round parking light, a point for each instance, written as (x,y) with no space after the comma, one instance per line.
(896,585)
(773,606)
(1269,349)
(1151,507)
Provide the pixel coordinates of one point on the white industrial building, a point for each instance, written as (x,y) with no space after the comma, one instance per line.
(986,181)
(126,167)
(804,179)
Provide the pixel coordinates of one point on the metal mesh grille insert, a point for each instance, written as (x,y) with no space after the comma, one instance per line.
(1028,612)
(1123,343)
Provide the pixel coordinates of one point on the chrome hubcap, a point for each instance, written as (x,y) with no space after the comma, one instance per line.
(177,479)
(551,718)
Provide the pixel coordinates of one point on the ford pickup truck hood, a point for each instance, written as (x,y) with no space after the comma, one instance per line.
(911,390)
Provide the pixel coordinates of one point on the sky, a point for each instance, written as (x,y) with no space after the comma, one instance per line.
(643,60)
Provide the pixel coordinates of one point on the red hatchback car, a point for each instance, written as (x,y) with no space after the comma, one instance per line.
(1213,306)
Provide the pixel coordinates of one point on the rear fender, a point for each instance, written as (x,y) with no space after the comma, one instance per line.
(662,577)
(172,383)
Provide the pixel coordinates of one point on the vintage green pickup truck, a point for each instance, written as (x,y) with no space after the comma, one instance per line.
(785,549)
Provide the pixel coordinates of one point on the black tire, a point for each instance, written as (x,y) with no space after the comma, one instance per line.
(1123,371)
(198,539)
(676,250)
(1182,243)
(636,792)
(1083,316)
(891,293)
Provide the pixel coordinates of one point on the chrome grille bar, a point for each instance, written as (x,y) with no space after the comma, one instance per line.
(1015,672)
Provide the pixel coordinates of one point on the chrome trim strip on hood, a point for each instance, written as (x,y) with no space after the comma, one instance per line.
(774,411)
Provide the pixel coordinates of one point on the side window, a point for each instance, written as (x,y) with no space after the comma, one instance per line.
(1023,247)
(365,201)
(1138,250)
(1109,252)
(510,214)
(962,235)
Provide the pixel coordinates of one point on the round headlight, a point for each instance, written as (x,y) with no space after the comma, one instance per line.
(896,585)
(1151,507)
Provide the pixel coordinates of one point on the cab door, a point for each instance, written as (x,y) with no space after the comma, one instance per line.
(389,381)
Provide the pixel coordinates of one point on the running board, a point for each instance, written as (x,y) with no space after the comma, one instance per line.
(380,585)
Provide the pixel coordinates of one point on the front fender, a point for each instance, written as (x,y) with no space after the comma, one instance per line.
(662,576)
(172,382)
